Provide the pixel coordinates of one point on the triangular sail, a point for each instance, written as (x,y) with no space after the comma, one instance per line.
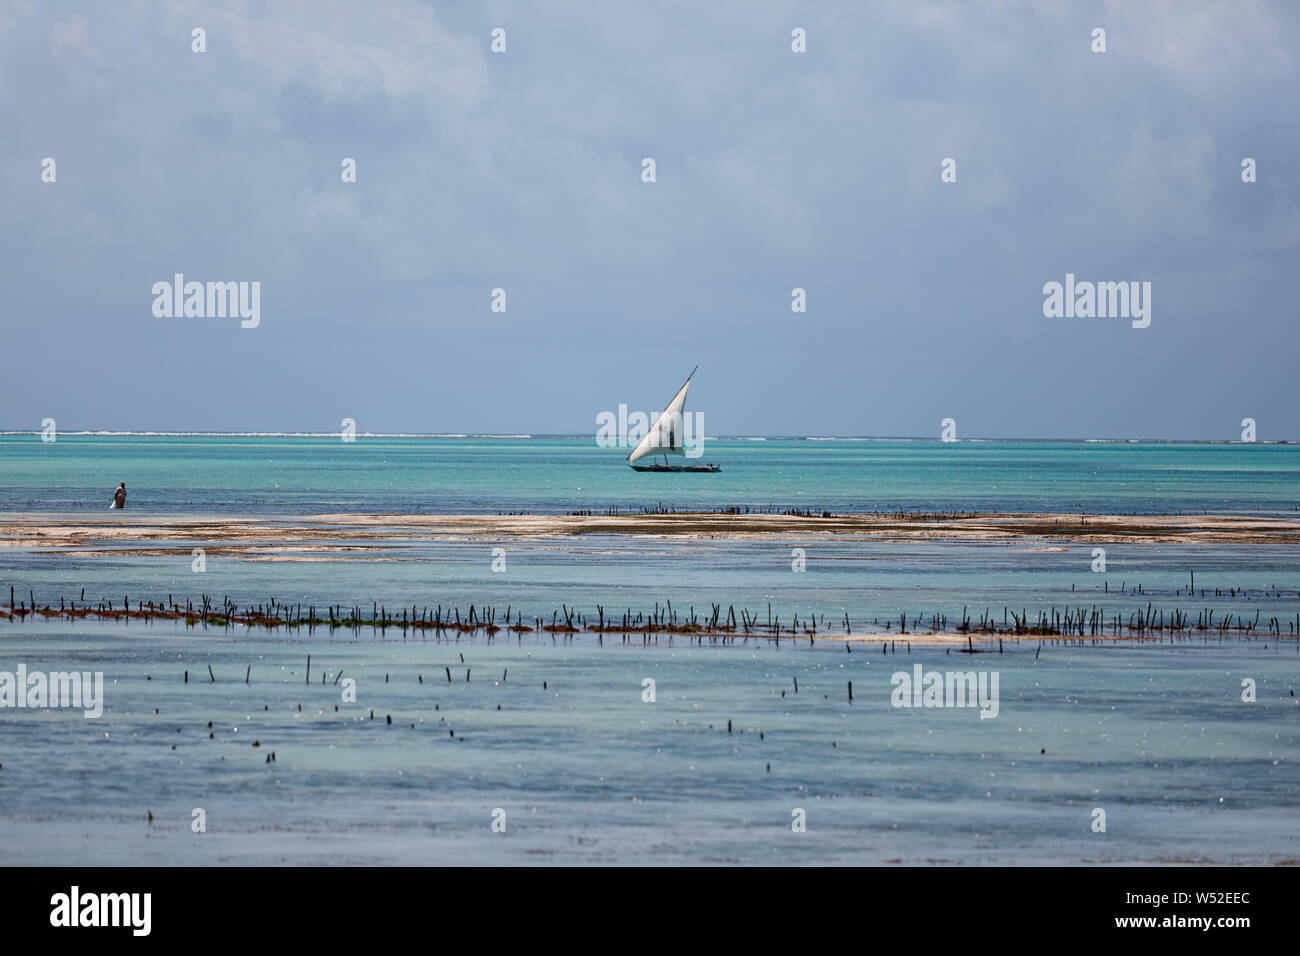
(665,435)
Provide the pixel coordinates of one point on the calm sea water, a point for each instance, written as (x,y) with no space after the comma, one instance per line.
(1156,735)
(412,475)
(558,736)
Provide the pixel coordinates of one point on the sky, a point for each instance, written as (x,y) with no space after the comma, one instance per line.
(774,170)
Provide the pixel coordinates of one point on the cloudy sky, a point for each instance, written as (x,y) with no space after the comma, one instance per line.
(774,170)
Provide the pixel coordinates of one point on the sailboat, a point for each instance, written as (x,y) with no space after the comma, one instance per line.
(665,438)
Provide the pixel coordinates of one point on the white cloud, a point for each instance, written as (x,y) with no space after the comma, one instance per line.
(1200,42)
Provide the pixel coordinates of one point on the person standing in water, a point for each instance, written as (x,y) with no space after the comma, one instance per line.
(119,496)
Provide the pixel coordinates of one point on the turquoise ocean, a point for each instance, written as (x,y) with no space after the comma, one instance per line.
(312,475)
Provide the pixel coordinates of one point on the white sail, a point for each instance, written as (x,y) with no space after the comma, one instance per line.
(665,435)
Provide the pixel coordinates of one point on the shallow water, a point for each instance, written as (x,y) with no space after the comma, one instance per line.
(1154,734)
(872,583)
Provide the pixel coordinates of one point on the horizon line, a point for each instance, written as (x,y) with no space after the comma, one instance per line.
(534,436)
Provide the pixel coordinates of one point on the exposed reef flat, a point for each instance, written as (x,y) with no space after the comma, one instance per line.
(344,536)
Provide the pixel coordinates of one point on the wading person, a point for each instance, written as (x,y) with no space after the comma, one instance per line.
(119,496)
